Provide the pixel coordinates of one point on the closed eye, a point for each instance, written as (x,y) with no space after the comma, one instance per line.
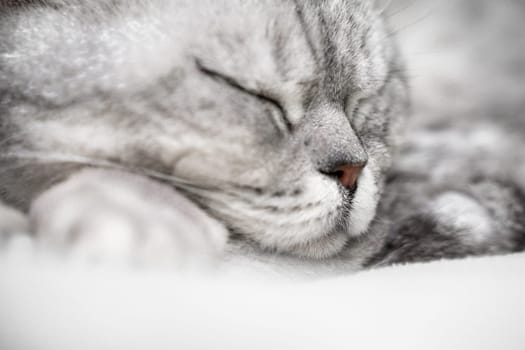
(236,85)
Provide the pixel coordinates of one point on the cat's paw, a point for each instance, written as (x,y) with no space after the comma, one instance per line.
(487,215)
(112,216)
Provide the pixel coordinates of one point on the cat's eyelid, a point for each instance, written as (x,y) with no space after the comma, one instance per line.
(352,101)
(235,84)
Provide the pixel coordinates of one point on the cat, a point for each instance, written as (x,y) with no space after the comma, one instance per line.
(183,130)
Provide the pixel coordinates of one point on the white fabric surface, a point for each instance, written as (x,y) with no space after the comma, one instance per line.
(466,304)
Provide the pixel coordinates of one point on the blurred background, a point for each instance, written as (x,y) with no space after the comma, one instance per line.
(466,64)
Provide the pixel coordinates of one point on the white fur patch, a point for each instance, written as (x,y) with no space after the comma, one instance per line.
(364,204)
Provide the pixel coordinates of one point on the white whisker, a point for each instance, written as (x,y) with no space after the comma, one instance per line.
(50,157)
(382,6)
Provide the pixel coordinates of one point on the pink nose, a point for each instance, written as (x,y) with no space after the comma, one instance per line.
(348,175)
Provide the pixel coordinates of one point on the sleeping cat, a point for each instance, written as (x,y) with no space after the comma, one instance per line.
(181,130)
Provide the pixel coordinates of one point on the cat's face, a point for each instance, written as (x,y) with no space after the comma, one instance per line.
(251,105)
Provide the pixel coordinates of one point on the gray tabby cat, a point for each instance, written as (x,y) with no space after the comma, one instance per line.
(177,130)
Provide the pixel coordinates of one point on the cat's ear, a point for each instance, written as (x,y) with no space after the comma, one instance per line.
(382,6)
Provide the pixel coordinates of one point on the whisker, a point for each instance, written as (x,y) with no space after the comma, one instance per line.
(55,158)
(411,24)
(423,53)
(384,7)
(399,10)
(46,157)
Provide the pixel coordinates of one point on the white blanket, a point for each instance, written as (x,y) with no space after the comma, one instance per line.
(466,304)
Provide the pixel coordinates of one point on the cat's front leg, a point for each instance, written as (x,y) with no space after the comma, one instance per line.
(486,218)
(116,216)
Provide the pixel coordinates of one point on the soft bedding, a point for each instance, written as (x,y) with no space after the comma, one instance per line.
(465,304)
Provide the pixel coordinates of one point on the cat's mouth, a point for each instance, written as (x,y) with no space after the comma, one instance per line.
(351,219)
(315,222)
(333,239)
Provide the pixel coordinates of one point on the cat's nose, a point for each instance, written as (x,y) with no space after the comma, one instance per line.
(347,174)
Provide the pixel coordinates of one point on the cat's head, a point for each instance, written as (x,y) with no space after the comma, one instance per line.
(278,117)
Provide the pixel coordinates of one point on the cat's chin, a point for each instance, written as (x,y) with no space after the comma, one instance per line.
(321,248)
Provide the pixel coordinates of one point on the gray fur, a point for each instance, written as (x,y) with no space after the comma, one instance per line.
(243,107)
